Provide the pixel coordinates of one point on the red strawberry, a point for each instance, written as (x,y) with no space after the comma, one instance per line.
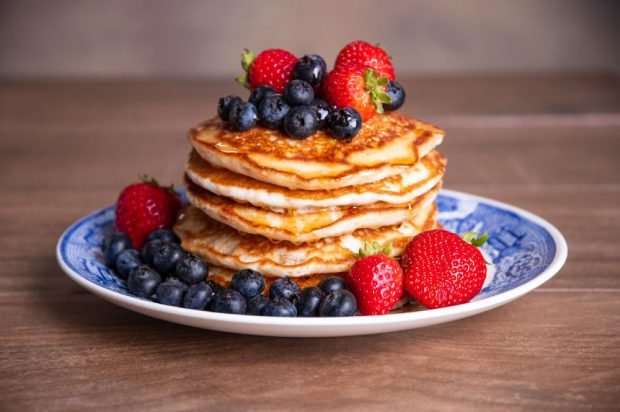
(443,269)
(376,280)
(356,86)
(144,207)
(272,67)
(367,55)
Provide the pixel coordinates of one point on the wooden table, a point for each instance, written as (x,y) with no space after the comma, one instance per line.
(547,143)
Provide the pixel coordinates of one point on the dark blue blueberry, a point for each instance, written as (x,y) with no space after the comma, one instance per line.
(170,292)
(258,94)
(272,110)
(215,287)
(243,116)
(198,296)
(322,109)
(298,93)
(300,122)
(279,307)
(228,301)
(285,288)
(225,104)
(338,303)
(332,284)
(165,235)
(311,298)
(148,250)
(166,257)
(256,304)
(311,68)
(143,281)
(397,95)
(114,245)
(191,269)
(248,282)
(344,123)
(126,261)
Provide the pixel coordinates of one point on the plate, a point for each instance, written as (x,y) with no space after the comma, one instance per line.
(525,251)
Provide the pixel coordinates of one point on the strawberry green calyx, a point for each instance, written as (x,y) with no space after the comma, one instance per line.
(247,58)
(375,85)
(374,248)
(474,239)
(152,181)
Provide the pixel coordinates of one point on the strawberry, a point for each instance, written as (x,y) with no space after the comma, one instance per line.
(143,207)
(443,269)
(367,55)
(272,67)
(376,280)
(356,86)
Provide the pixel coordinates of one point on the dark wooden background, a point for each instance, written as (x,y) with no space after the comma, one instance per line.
(547,143)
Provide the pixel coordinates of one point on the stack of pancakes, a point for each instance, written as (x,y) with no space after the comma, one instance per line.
(303,208)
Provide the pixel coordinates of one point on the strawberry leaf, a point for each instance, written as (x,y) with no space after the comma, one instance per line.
(247,58)
(152,181)
(375,85)
(374,248)
(474,239)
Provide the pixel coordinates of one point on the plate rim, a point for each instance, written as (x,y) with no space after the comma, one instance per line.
(558,261)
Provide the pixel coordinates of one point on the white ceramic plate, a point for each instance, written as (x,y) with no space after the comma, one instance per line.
(525,249)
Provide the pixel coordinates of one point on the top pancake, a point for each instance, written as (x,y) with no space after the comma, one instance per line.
(383,146)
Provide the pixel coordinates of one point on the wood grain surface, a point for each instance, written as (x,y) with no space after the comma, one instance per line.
(547,143)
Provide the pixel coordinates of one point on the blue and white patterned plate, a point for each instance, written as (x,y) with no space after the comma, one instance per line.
(525,249)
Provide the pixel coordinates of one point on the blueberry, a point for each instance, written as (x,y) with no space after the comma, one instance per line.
(198,296)
(248,282)
(397,94)
(298,93)
(243,116)
(126,261)
(143,281)
(225,104)
(332,284)
(310,68)
(285,288)
(170,292)
(279,307)
(114,245)
(191,269)
(166,257)
(228,301)
(272,110)
(338,303)
(258,94)
(322,109)
(165,235)
(344,123)
(148,250)
(311,298)
(256,304)
(300,122)
(215,287)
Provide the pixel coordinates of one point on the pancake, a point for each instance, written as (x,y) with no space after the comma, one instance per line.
(412,182)
(296,226)
(224,246)
(384,144)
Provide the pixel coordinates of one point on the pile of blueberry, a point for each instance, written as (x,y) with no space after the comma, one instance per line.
(297,110)
(164,272)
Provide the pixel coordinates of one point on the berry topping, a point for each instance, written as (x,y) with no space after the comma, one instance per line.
(191,269)
(344,123)
(298,92)
(367,55)
(170,292)
(256,304)
(272,110)
(338,303)
(143,281)
(243,116)
(225,104)
(166,257)
(279,307)
(228,301)
(443,269)
(285,288)
(311,68)
(272,67)
(248,282)
(116,243)
(144,207)
(397,95)
(258,94)
(198,296)
(322,109)
(310,301)
(376,280)
(126,261)
(300,122)
(148,250)
(165,235)
(332,284)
